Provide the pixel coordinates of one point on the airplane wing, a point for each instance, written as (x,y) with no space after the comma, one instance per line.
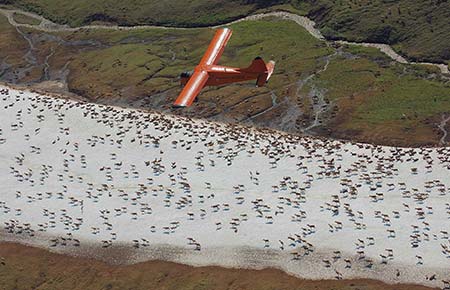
(198,80)
(192,89)
(216,47)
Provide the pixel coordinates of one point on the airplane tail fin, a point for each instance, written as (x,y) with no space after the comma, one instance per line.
(264,70)
(258,65)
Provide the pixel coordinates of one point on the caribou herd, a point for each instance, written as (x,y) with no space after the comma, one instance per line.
(87,174)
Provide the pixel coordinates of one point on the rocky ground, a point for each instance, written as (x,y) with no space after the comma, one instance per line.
(302,98)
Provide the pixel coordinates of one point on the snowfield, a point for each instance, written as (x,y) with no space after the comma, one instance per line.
(77,176)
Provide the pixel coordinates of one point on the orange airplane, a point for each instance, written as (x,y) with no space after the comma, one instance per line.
(208,73)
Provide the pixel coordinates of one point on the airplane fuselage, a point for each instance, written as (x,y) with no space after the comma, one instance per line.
(221,75)
(208,73)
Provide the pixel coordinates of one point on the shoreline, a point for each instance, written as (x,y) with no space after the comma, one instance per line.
(246,259)
(36,88)
(13,253)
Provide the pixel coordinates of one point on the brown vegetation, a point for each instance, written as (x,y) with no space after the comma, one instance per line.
(23,267)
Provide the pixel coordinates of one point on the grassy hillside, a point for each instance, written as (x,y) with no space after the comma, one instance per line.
(135,12)
(129,61)
(417,29)
(9,57)
(379,101)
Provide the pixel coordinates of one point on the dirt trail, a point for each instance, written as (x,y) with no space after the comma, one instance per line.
(317,96)
(49,26)
(46,75)
(275,103)
(442,127)
(387,49)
